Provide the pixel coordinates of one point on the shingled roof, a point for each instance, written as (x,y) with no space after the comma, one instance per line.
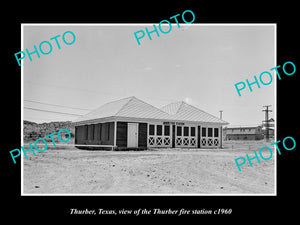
(135,108)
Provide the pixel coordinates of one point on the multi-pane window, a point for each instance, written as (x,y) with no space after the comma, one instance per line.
(203,132)
(93,131)
(108,130)
(179,131)
(185,131)
(86,132)
(209,132)
(193,131)
(216,132)
(151,129)
(159,130)
(167,130)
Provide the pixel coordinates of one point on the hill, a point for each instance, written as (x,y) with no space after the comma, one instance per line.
(33,131)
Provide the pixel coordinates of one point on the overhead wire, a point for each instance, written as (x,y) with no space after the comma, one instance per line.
(43,110)
(63,106)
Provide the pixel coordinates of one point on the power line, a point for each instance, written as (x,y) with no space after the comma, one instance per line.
(43,110)
(55,105)
(71,88)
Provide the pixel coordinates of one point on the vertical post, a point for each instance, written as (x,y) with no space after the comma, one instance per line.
(221,136)
(147,145)
(267,120)
(115,135)
(221,131)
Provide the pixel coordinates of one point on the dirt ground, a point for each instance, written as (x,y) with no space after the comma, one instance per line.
(164,171)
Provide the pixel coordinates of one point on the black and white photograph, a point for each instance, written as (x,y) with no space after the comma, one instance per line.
(158,116)
(141,111)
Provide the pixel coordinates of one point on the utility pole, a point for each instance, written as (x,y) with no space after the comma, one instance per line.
(267,110)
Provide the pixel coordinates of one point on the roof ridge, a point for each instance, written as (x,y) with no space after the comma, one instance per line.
(180,106)
(153,106)
(204,112)
(117,100)
(129,100)
(173,103)
(105,104)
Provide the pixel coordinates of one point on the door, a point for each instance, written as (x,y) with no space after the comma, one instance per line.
(132,135)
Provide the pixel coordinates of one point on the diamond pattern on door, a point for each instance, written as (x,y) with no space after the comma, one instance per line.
(203,142)
(185,141)
(178,141)
(151,141)
(193,141)
(167,141)
(216,142)
(159,141)
(209,142)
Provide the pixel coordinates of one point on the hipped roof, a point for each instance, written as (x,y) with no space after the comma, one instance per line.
(126,107)
(183,111)
(133,107)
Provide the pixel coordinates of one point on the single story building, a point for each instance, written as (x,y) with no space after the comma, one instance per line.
(131,123)
(243,133)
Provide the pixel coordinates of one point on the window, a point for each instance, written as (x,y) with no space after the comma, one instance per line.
(209,132)
(159,130)
(151,129)
(193,131)
(108,130)
(86,132)
(100,131)
(203,132)
(167,130)
(93,131)
(179,131)
(216,132)
(90,132)
(185,131)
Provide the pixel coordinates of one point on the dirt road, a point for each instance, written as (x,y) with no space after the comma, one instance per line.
(175,171)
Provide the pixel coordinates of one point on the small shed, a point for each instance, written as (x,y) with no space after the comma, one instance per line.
(131,123)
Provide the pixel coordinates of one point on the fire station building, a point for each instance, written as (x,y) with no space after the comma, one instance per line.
(131,123)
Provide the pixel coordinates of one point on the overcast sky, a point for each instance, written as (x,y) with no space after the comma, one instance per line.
(197,63)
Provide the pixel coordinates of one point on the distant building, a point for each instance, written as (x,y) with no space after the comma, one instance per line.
(243,133)
(268,126)
(271,132)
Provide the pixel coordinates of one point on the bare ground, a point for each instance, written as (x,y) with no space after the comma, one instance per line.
(168,171)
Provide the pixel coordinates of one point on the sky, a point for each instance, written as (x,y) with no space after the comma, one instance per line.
(196,63)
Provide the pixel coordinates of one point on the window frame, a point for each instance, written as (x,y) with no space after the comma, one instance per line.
(186,129)
(161,130)
(204,132)
(169,129)
(193,129)
(216,129)
(150,126)
(209,132)
(177,129)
